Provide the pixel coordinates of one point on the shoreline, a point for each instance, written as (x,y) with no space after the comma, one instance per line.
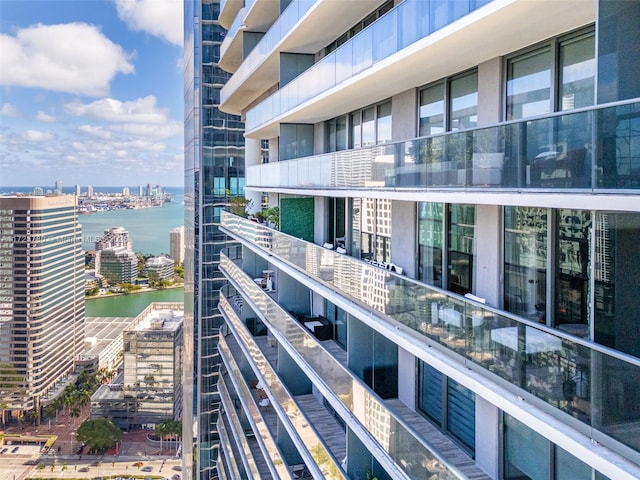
(142,290)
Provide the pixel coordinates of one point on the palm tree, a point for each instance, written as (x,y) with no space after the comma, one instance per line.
(3,406)
(162,429)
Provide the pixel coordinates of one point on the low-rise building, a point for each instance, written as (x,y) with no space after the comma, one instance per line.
(159,268)
(118,265)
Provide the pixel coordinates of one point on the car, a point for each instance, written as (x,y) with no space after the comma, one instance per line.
(14,449)
(148,468)
(4,450)
(83,469)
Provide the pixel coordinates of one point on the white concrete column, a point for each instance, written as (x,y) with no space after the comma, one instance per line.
(403,244)
(406,378)
(488,257)
(252,156)
(490,92)
(487,437)
(320,220)
(403,114)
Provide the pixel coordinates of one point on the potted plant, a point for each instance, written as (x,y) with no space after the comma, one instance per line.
(272,214)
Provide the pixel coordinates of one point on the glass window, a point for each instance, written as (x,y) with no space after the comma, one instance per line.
(375,229)
(525,261)
(616,262)
(461,252)
(529,84)
(464,102)
(356,130)
(432,110)
(527,454)
(430,237)
(384,123)
(448,404)
(577,72)
(572,271)
(336,131)
(368,127)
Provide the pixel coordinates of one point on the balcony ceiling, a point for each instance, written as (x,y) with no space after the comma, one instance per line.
(261,15)
(321,19)
(228,11)
(499,28)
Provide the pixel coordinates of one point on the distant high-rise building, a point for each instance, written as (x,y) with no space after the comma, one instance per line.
(456,259)
(118,265)
(149,190)
(89,191)
(58,190)
(214,173)
(139,190)
(41,299)
(176,244)
(125,191)
(38,191)
(77,190)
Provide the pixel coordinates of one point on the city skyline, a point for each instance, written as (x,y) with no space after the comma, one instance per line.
(70,108)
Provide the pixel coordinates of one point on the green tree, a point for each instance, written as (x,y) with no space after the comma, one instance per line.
(239,205)
(99,434)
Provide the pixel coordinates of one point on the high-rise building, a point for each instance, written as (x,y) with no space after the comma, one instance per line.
(38,191)
(214,172)
(125,191)
(41,299)
(176,245)
(77,190)
(139,190)
(451,291)
(58,190)
(89,191)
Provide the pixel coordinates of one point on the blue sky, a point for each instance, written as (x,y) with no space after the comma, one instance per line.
(91,92)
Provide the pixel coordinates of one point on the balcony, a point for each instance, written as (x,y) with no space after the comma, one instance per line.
(595,385)
(303,434)
(244,439)
(384,58)
(228,11)
(592,149)
(408,452)
(231,46)
(288,32)
(261,430)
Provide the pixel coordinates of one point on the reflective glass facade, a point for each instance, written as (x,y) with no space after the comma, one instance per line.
(214,172)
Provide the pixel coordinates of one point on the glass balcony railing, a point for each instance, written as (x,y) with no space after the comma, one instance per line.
(225,443)
(268,444)
(234,422)
(282,26)
(591,149)
(409,22)
(594,384)
(408,450)
(317,449)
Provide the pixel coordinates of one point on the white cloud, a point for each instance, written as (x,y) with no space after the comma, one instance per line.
(45,117)
(142,110)
(160,18)
(37,136)
(95,131)
(8,110)
(74,58)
